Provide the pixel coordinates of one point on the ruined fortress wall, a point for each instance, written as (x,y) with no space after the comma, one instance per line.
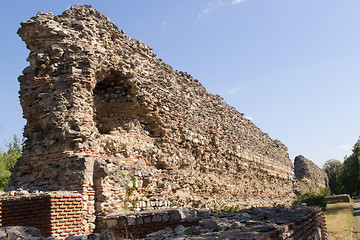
(309,177)
(106,117)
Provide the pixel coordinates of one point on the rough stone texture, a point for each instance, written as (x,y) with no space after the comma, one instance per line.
(19,232)
(309,177)
(280,222)
(109,119)
(25,232)
(297,222)
(140,223)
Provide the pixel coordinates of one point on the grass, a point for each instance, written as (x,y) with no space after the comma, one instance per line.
(339,221)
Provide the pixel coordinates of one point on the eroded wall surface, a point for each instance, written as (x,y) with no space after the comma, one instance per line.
(309,177)
(106,117)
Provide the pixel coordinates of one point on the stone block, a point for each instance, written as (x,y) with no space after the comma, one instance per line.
(147,219)
(111,223)
(131,220)
(179,229)
(122,221)
(209,224)
(157,218)
(165,217)
(177,215)
(139,220)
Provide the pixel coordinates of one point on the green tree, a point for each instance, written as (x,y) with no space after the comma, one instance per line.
(333,169)
(8,160)
(350,176)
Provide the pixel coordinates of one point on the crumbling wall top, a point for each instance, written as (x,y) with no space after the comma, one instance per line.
(309,173)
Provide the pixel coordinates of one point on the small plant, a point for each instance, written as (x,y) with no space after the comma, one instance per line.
(312,199)
(232,208)
(129,190)
(304,184)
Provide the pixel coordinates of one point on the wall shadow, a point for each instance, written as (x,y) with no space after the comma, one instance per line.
(27,211)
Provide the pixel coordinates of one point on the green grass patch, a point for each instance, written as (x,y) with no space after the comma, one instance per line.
(339,220)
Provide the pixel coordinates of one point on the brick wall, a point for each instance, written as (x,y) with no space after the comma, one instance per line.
(55,215)
(304,228)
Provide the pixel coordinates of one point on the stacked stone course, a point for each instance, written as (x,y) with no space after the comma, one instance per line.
(139,224)
(110,120)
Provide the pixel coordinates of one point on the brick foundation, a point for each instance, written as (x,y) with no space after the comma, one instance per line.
(302,228)
(54,215)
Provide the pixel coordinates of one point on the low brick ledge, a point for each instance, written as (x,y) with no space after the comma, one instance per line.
(300,229)
(338,198)
(139,224)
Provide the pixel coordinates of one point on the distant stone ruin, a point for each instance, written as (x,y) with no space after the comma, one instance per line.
(309,177)
(109,120)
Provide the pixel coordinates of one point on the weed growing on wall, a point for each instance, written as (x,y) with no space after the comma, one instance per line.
(232,208)
(130,187)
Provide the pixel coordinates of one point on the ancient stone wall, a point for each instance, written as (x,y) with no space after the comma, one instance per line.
(109,119)
(309,177)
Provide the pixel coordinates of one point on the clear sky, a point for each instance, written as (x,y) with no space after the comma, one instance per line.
(293,67)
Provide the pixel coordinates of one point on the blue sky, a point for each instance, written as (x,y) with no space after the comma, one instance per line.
(293,67)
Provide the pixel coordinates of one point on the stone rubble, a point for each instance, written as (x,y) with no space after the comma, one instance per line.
(19,232)
(247,224)
(32,233)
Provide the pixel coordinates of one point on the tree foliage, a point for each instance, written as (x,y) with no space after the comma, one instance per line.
(333,169)
(350,175)
(345,177)
(8,160)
